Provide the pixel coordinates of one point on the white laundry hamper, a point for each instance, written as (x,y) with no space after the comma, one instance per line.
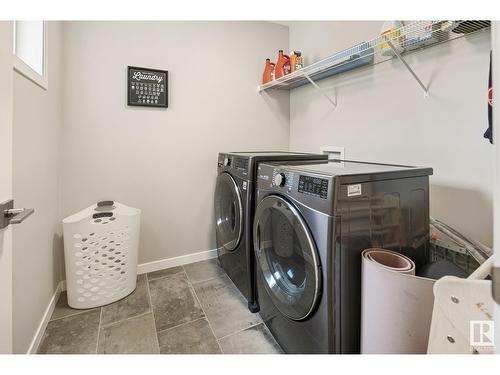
(101,244)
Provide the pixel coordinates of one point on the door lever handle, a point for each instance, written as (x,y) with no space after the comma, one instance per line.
(10,215)
(18,215)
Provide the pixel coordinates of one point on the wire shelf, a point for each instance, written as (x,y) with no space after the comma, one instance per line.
(397,43)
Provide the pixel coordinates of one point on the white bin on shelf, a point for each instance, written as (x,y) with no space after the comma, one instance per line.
(100,248)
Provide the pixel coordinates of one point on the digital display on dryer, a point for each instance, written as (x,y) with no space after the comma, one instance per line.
(317,187)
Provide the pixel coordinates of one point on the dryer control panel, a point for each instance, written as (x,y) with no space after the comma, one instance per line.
(310,189)
(314,186)
(282,179)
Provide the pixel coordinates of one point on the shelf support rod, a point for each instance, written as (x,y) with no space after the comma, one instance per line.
(426,90)
(334,103)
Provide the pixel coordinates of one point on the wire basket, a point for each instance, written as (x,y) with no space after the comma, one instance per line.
(100,247)
(444,250)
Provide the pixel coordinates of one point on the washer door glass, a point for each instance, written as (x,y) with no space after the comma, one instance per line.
(228,213)
(287,257)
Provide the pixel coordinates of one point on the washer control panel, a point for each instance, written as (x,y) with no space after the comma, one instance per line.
(237,166)
(314,186)
(241,163)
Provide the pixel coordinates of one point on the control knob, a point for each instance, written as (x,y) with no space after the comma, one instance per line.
(279,179)
(227,161)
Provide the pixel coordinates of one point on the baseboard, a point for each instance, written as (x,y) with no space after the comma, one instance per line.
(176,261)
(37,338)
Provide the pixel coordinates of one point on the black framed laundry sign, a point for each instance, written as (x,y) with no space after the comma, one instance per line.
(147,87)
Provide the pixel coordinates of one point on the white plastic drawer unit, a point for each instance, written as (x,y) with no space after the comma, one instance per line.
(100,247)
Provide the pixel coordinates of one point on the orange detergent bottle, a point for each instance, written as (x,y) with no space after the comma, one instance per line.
(282,65)
(293,62)
(268,74)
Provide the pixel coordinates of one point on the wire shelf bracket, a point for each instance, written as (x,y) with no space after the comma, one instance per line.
(332,101)
(412,72)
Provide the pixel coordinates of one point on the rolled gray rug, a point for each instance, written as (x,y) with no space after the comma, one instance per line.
(396,305)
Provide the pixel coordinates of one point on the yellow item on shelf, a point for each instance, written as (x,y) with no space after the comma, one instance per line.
(390,31)
(296,61)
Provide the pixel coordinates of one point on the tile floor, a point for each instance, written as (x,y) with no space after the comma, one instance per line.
(193,309)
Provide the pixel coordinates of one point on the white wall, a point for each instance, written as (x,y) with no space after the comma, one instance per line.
(37,137)
(6,185)
(164,161)
(383,116)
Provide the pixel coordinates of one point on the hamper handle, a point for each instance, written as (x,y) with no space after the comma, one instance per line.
(105,203)
(102,214)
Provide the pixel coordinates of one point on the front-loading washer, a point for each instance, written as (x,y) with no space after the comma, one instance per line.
(311,224)
(234,204)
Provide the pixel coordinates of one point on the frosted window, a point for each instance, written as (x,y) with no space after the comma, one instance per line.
(29,43)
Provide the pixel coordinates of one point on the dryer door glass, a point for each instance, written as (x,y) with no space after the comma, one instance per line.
(287,257)
(228,213)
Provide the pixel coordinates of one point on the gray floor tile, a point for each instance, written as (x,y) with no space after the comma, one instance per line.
(137,303)
(253,340)
(166,272)
(62,308)
(226,309)
(132,336)
(173,301)
(76,334)
(202,271)
(191,338)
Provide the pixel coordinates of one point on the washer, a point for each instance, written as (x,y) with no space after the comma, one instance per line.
(234,207)
(311,224)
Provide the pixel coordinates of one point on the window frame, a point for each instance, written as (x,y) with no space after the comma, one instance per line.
(24,69)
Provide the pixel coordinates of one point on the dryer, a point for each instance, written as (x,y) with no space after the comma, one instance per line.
(234,203)
(311,224)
